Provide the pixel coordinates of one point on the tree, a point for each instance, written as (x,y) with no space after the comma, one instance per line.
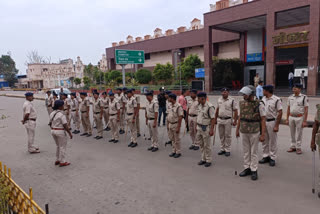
(188,66)
(115,75)
(33,57)
(89,71)
(87,82)
(143,76)
(77,81)
(8,69)
(163,72)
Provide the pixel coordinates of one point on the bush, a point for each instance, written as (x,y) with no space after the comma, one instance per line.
(143,76)
(188,66)
(163,72)
(115,75)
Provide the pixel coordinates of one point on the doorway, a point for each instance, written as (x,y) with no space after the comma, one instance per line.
(252,74)
(282,73)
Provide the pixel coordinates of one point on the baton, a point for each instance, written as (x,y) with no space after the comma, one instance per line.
(236,171)
(313,171)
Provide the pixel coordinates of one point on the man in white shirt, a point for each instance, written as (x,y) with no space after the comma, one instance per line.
(290,78)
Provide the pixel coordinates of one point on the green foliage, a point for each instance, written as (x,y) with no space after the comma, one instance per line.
(163,73)
(89,71)
(77,81)
(143,76)
(115,76)
(87,81)
(8,69)
(188,66)
(4,195)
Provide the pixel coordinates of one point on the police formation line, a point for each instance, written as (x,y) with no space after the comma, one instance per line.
(257,121)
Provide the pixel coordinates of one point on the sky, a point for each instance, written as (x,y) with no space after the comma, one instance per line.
(63,29)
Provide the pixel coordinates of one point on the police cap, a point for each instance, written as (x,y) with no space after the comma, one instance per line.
(28,94)
(202,94)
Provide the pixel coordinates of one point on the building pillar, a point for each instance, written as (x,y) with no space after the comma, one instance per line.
(208,59)
(313,50)
(270,58)
(242,47)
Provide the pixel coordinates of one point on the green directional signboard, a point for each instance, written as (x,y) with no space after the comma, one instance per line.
(124,57)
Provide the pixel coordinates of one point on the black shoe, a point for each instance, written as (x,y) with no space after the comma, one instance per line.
(272,162)
(264,160)
(121,132)
(207,164)
(89,135)
(130,144)
(202,163)
(164,124)
(150,148)
(191,147)
(149,138)
(227,154)
(221,153)
(154,149)
(115,141)
(196,148)
(177,155)
(318,194)
(134,145)
(138,135)
(74,132)
(95,127)
(112,140)
(245,172)
(70,129)
(77,132)
(254,175)
(84,134)
(172,154)
(96,137)
(99,137)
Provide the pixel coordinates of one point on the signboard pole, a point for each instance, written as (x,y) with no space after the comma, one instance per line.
(123,75)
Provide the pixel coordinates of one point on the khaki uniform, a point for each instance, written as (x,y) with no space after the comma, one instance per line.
(224,121)
(256,81)
(193,106)
(96,110)
(297,105)
(152,108)
(105,103)
(130,110)
(205,115)
(66,109)
(272,105)
(138,114)
(58,119)
(53,101)
(121,100)
(49,103)
(30,124)
(168,107)
(317,118)
(173,117)
(74,108)
(114,106)
(250,120)
(84,119)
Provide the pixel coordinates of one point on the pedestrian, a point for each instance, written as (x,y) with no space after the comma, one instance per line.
(131,115)
(273,107)
(256,80)
(59,127)
(137,97)
(97,110)
(85,113)
(29,122)
(252,127)
(290,78)
(175,117)
(297,115)
(74,113)
(114,117)
(66,106)
(259,90)
(205,127)
(192,113)
(49,102)
(119,96)
(105,102)
(184,103)
(162,107)
(315,140)
(226,117)
(302,79)
(151,115)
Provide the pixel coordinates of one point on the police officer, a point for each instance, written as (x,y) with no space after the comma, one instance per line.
(85,112)
(138,110)
(252,117)
(119,96)
(192,114)
(151,115)
(297,115)
(114,117)
(49,102)
(131,116)
(66,106)
(29,121)
(174,119)
(54,98)
(59,126)
(97,110)
(74,108)
(226,117)
(273,106)
(205,127)
(105,102)
(168,106)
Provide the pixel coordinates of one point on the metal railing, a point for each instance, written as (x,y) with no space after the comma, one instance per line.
(13,199)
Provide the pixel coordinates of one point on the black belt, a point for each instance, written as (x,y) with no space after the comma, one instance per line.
(225,118)
(106,107)
(173,123)
(73,110)
(193,115)
(83,111)
(32,119)
(150,118)
(269,120)
(249,121)
(97,112)
(112,114)
(130,114)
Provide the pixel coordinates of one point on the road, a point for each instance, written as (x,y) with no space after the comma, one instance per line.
(112,178)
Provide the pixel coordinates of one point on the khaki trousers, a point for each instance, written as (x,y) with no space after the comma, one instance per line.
(114,127)
(250,150)
(203,138)
(193,130)
(122,118)
(61,139)
(98,121)
(176,141)
(106,116)
(295,124)
(86,123)
(225,130)
(138,123)
(153,134)
(319,170)
(50,110)
(132,127)
(31,127)
(269,146)
(76,119)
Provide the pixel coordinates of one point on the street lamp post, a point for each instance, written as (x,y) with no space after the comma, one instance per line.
(178,53)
